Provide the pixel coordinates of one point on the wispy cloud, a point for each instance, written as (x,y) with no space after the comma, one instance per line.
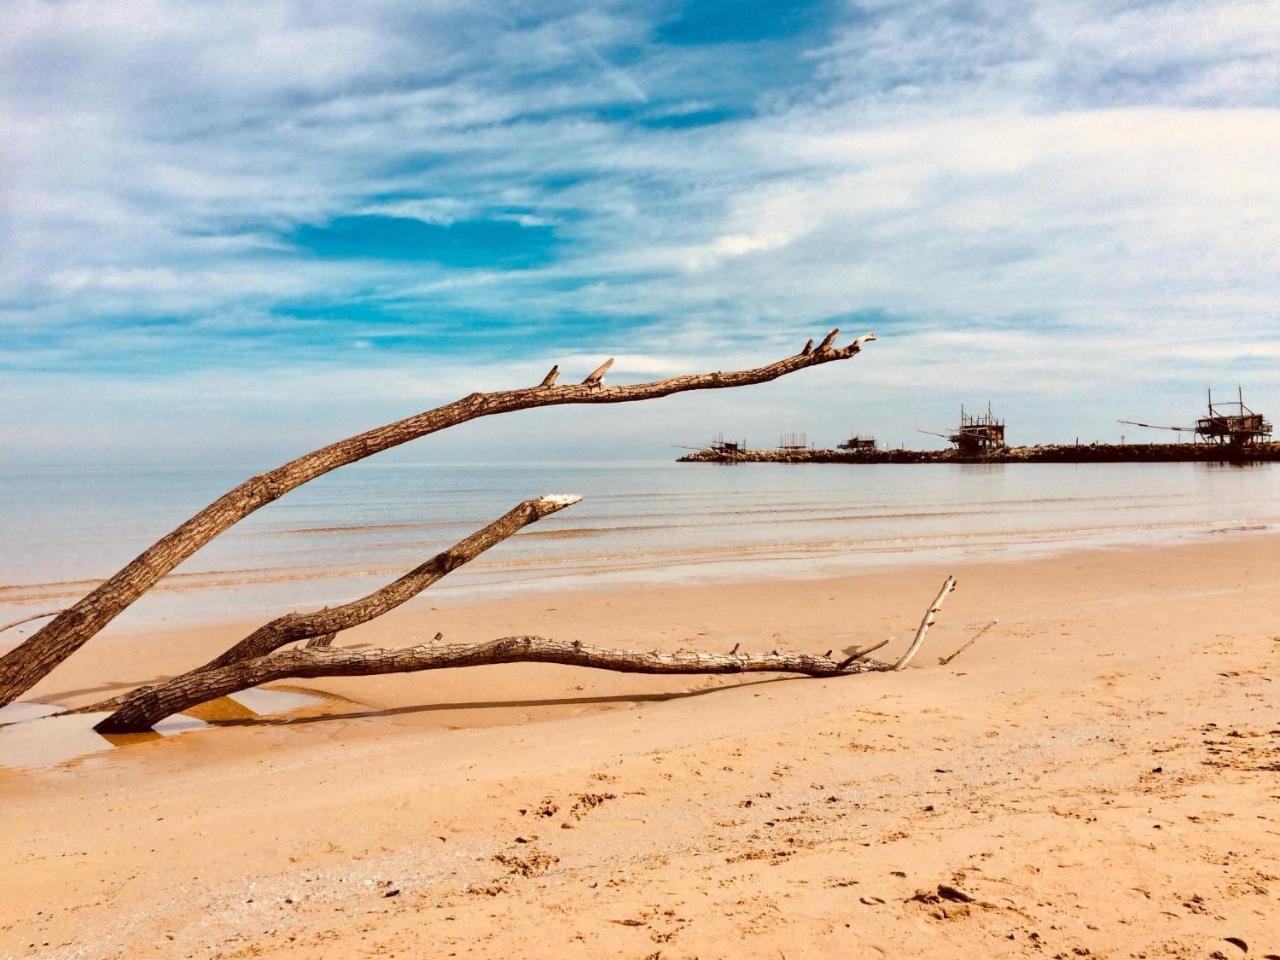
(260,201)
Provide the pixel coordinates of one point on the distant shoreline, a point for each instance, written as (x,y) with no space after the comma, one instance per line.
(1047,453)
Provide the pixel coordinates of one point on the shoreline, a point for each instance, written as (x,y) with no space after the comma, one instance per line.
(193,597)
(175,647)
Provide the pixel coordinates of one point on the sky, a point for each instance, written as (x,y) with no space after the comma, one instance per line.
(236,231)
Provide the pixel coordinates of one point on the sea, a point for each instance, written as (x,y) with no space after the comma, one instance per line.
(64,528)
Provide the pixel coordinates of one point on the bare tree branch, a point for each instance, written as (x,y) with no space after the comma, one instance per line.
(321,626)
(151,706)
(27,663)
(929,616)
(306,626)
(147,706)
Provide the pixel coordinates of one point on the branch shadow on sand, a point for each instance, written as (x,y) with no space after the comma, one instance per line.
(620,698)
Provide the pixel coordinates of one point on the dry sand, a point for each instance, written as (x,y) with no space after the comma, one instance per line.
(1098,776)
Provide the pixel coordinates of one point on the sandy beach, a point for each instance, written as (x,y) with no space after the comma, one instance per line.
(1097,776)
(628,354)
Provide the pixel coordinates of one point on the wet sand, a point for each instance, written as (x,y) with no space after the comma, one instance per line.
(1098,776)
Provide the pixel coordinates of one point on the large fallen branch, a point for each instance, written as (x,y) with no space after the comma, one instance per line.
(145,707)
(150,706)
(27,663)
(320,627)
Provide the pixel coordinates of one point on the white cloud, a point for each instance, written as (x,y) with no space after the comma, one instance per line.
(1040,198)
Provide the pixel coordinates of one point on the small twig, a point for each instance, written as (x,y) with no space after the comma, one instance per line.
(974,639)
(596,375)
(735,648)
(34,616)
(929,616)
(859,654)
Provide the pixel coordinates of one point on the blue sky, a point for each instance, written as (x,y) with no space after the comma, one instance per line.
(241,230)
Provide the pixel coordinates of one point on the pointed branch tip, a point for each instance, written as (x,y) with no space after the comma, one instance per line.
(560,500)
(829,339)
(550,379)
(596,375)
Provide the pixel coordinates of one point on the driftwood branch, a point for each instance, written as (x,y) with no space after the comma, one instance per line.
(930,615)
(320,627)
(151,706)
(27,663)
(146,706)
(309,626)
(965,646)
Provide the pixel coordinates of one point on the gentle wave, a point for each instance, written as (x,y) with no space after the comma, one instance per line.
(644,522)
(629,557)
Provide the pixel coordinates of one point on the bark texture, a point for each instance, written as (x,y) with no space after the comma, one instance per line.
(27,663)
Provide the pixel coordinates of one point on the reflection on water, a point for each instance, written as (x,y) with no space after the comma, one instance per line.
(48,740)
(32,735)
(352,530)
(260,700)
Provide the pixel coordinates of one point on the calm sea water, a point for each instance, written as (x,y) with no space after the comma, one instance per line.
(64,528)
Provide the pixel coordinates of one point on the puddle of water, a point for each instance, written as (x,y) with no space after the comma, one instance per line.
(48,740)
(262,701)
(178,723)
(31,737)
(20,712)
